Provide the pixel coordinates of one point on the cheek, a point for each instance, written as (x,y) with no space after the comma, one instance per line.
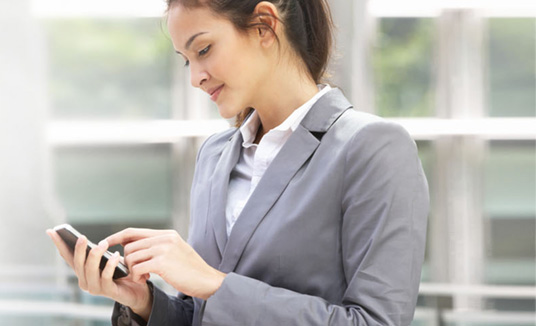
(240,65)
(248,77)
(233,69)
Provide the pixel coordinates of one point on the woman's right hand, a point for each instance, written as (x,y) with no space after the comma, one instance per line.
(135,295)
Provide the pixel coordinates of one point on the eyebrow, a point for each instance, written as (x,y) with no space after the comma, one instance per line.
(191,40)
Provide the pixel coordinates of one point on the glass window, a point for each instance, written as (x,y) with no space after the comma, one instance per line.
(512,57)
(403,65)
(109,68)
(510,190)
(485,321)
(115,185)
(528,305)
(510,209)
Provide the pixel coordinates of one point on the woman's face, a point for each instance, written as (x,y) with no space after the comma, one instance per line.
(223,62)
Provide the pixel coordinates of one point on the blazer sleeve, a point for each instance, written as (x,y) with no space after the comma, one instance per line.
(166,310)
(384,205)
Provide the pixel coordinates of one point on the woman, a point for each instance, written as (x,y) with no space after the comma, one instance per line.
(307,213)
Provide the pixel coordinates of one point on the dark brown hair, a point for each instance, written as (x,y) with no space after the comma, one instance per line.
(308,27)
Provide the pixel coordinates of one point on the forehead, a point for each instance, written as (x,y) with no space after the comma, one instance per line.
(184,22)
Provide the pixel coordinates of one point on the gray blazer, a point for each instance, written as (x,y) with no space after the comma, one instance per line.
(334,233)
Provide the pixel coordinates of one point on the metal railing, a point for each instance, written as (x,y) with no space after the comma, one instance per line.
(428,316)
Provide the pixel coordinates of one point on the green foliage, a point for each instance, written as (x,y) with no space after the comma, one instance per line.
(403,64)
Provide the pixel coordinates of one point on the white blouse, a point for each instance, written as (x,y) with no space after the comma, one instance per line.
(255,159)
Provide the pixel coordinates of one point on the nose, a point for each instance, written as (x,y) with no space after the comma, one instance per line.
(198,75)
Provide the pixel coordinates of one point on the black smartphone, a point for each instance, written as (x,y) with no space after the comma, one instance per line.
(70,235)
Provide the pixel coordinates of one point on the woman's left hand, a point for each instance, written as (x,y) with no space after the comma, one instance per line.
(165,253)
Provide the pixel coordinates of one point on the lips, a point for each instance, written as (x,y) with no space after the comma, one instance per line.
(215,92)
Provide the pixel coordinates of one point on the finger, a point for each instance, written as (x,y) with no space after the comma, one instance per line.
(128,235)
(108,271)
(167,237)
(79,261)
(141,244)
(138,257)
(63,249)
(107,274)
(133,234)
(92,270)
(141,271)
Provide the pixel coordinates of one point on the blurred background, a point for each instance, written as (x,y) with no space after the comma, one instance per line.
(99,128)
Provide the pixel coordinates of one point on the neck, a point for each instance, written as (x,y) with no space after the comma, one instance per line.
(260,134)
(283,96)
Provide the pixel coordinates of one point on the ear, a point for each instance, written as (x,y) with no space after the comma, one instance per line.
(266,13)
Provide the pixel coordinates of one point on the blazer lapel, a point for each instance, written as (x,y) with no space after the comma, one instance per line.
(219,188)
(298,149)
(300,146)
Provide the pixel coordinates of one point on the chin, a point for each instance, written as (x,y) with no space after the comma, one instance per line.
(227,114)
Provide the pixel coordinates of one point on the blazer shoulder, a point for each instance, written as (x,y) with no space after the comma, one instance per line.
(355,122)
(215,143)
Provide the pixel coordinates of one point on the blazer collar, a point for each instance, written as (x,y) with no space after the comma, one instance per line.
(325,111)
(297,150)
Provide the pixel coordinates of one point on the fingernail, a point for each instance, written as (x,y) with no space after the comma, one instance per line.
(103,244)
(116,254)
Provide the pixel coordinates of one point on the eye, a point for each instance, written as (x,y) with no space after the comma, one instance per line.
(186,61)
(204,51)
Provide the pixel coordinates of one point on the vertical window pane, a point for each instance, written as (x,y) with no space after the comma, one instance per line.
(512,57)
(510,180)
(509,205)
(402,61)
(109,68)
